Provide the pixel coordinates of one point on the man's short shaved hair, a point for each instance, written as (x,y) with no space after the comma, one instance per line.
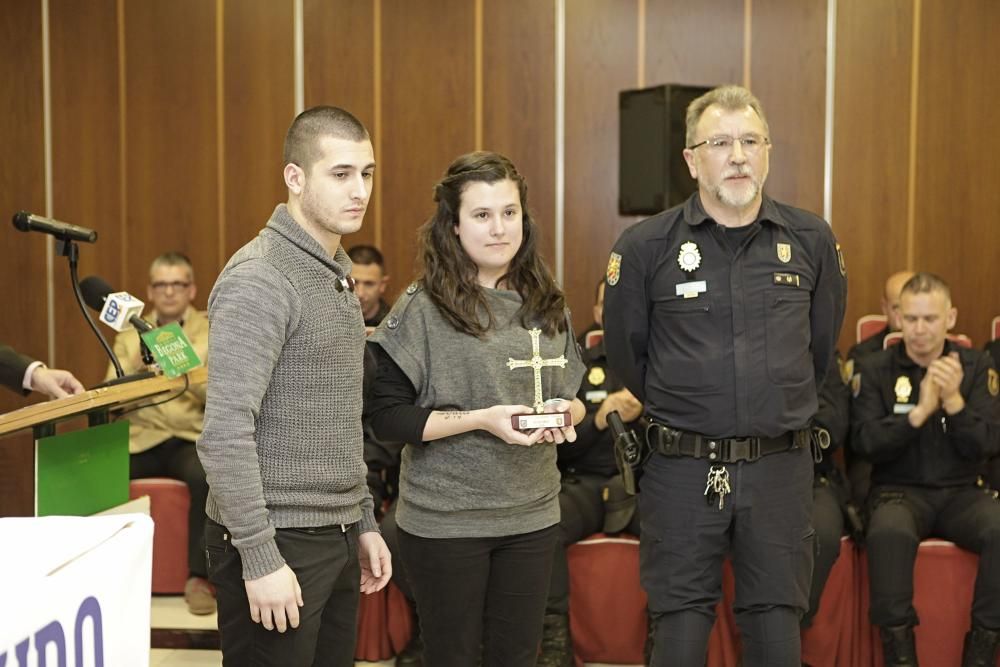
(302,140)
(730,98)
(924,282)
(172,258)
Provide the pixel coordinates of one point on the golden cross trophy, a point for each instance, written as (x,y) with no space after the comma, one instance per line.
(527,422)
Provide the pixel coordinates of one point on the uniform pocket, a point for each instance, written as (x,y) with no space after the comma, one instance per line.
(786,311)
(683,348)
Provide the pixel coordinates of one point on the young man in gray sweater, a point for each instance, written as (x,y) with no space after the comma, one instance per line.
(291,529)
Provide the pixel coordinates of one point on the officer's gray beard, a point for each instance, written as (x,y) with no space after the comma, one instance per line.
(738,201)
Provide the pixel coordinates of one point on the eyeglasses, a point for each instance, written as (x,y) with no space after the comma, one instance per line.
(722,145)
(176,285)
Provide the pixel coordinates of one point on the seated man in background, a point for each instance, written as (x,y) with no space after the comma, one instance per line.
(592,498)
(890,308)
(162,436)
(925,412)
(370,281)
(21,373)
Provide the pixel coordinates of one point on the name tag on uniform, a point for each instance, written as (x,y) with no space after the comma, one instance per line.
(786,279)
(596,396)
(691,289)
(902,408)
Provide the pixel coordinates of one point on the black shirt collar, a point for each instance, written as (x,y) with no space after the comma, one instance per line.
(694,212)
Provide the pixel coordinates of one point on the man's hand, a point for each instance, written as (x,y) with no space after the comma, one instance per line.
(627,405)
(929,402)
(55,383)
(947,374)
(376,562)
(275,599)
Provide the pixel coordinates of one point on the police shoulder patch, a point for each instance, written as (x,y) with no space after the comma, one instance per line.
(846,370)
(841,262)
(993,382)
(614,269)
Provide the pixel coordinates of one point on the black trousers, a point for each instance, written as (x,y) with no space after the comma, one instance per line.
(828,522)
(176,458)
(902,516)
(325,562)
(480,596)
(764,525)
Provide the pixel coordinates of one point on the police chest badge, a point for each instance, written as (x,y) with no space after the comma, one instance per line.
(614,269)
(596,376)
(689,258)
(785,252)
(903,389)
(993,381)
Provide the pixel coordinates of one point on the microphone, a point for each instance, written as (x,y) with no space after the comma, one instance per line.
(28,222)
(119,310)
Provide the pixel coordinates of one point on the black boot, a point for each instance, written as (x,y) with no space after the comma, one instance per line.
(412,654)
(557,645)
(898,646)
(980,648)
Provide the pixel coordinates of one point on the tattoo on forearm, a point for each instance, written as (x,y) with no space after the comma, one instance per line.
(455,415)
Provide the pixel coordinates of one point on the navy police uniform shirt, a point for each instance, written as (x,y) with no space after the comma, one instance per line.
(721,334)
(946,450)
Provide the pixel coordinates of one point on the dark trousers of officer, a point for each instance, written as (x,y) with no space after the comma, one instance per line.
(177,459)
(480,596)
(581,513)
(828,523)
(764,524)
(325,562)
(902,516)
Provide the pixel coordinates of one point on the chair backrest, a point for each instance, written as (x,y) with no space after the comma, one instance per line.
(995,329)
(593,338)
(895,336)
(869,325)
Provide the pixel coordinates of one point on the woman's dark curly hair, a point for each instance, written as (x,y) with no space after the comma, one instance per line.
(449,275)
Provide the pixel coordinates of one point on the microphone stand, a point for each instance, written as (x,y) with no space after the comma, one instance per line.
(68,249)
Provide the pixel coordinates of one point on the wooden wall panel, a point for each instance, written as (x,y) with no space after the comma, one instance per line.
(698,44)
(792,90)
(600,61)
(22,180)
(171,168)
(957,199)
(519,107)
(428,114)
(258,106)
(871,148)
(86,166)
(339,66)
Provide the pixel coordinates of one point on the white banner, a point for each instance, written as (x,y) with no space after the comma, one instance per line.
(75,591)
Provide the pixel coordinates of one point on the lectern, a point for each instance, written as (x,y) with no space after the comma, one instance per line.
(18,474)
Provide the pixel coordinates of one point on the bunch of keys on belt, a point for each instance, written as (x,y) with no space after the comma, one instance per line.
(717,485)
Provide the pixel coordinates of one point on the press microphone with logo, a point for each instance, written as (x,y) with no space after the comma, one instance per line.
(119,310)
(28,222)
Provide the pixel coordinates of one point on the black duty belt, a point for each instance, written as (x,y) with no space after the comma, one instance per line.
(673,442)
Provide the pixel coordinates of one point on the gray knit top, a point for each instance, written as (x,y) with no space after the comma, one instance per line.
(282,444)
(473,484)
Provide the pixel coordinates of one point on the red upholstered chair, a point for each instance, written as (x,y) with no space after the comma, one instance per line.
(943,581)
(384,624)
(169,502)
(593,338)
(607,607)
(869,325)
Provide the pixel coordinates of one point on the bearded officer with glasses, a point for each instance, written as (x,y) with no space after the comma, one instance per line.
(722,316)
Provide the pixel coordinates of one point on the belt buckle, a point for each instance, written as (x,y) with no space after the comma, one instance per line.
(744,449)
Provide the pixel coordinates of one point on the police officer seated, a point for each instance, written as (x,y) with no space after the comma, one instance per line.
(926,413)
(592,498)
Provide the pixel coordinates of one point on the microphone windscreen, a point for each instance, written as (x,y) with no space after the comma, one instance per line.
(95,291)
(21,220)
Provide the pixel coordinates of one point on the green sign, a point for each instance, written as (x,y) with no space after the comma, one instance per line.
(172,350)
(82,472)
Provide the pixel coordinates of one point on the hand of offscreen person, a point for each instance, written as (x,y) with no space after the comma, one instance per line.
(496,420)
(55,383)
(275,599)
(376,562)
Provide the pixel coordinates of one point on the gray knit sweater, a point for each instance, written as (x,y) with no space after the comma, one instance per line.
(474,484)
(282,444)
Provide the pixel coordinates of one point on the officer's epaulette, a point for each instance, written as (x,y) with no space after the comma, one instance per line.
(403,302)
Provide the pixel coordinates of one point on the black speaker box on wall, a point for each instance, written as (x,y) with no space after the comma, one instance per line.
(652,174)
